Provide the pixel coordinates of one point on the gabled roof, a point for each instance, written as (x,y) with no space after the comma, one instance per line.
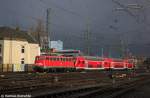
(9,33)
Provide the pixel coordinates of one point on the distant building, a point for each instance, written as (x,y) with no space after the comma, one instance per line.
(58,45)
(17,48)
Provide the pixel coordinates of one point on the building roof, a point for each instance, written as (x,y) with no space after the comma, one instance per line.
(9,33)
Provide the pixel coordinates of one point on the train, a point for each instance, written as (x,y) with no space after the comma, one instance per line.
(70,61)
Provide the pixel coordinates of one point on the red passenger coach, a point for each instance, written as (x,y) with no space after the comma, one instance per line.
(130,64)
(118,64)
(121,64)
(94,63)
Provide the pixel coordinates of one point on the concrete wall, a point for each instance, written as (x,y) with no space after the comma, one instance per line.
(12,52)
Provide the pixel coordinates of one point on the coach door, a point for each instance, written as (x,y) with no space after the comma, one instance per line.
(107,64)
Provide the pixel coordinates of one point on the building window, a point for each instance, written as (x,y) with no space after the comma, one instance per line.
(22,49)
(0,48)
(22,61)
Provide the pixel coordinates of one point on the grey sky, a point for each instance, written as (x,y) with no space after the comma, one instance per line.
(69,20)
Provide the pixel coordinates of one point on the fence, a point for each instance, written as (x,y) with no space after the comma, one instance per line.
(15,68)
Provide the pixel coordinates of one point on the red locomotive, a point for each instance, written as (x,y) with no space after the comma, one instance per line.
(78,62)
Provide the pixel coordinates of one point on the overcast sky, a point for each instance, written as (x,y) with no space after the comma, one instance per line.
(69,19)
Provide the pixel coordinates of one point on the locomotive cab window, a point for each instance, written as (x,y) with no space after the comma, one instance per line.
(41,58)
(37,58)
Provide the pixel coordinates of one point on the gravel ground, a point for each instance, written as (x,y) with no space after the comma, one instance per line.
(139,92)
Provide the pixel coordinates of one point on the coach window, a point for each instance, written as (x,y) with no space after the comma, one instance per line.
(22,61)
(22,49)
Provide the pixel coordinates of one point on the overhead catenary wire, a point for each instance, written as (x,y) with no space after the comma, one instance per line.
(57,25)
(77,36)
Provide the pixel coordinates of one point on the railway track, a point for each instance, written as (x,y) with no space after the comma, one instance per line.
(99,91)
(67,85)
(122,90)
(24,82)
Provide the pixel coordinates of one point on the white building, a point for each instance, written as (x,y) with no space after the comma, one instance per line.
(17,49)
(58,45)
